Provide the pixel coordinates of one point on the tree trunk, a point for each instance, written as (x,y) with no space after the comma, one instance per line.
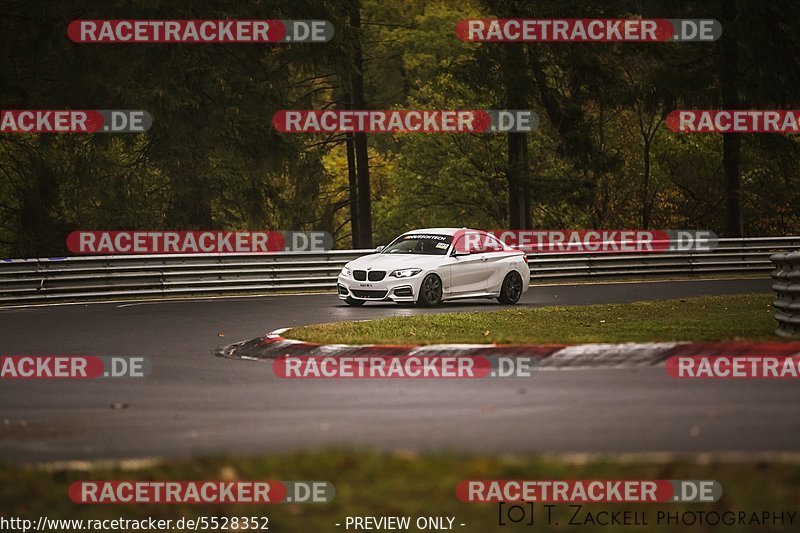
(352,182)
(731,142)
(360,139)
(646,203)
(516,86)
(516,177)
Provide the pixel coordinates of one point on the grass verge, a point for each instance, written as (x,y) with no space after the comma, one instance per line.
(704,318)
(405,484)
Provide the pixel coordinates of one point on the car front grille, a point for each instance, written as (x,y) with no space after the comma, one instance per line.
(373,275)
(378,295)
(376,275)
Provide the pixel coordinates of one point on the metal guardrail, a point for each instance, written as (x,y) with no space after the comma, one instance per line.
(787,285)
(105,277)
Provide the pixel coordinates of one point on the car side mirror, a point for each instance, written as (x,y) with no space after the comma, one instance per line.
(461,253)
(379,249)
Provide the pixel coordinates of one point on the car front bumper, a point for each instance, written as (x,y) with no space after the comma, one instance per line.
(389,289)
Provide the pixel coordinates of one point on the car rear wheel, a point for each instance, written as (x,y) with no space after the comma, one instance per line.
(430,291)
(511,291)
(354,302)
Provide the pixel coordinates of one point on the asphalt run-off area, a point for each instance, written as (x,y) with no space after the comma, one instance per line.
(195,403)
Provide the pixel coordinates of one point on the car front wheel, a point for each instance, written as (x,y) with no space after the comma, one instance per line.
(511,291)
(430,291)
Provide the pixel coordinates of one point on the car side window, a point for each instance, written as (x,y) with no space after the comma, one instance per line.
(475,242)
(468,243)
(492,244)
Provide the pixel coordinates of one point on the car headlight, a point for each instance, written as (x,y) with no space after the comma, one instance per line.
(405,272)
(345,272)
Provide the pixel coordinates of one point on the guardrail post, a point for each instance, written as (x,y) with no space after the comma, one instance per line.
(787,286)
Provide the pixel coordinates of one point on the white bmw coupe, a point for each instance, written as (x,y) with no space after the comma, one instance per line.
(429,266)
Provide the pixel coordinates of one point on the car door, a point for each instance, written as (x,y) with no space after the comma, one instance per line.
(467,266)
(497,262)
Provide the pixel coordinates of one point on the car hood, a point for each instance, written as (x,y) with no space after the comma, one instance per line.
(391,262)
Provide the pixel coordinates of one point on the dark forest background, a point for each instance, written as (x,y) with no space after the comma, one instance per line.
(602,157)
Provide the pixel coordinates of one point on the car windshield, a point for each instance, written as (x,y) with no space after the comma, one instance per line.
(426,244)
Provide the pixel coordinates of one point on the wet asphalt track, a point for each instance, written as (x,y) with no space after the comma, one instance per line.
(195,403)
